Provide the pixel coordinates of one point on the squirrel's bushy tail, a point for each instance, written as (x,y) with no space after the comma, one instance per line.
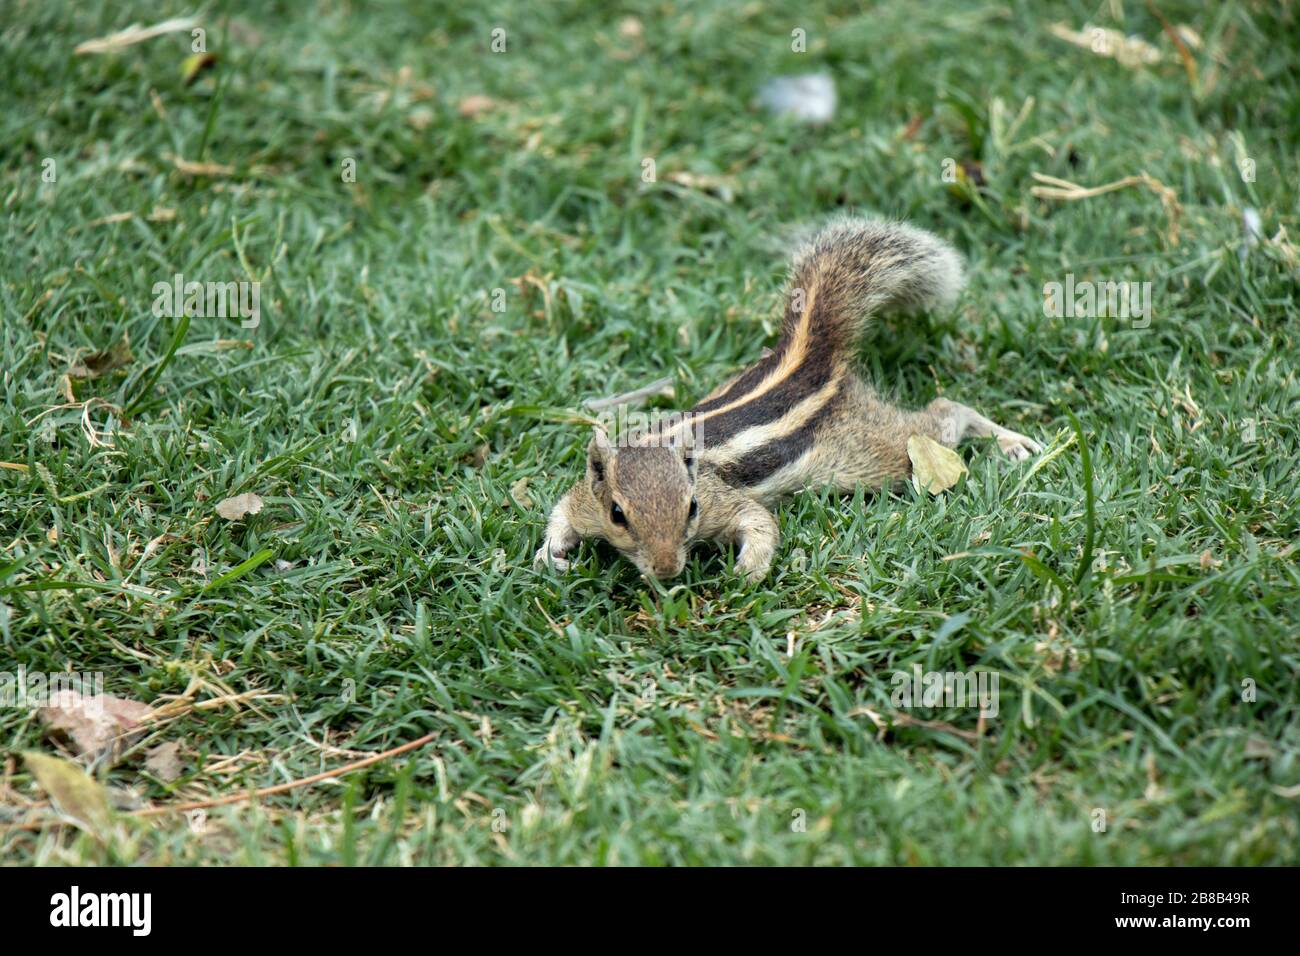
(856,268)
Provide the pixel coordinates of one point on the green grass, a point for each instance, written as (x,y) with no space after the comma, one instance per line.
(601,719)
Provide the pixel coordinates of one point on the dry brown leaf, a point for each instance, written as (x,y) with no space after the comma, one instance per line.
(73,791)
(475,105)
(164,761)
(104,361)
(232,509)
(519,495)
(97,725)
(1257,748)
(934,468)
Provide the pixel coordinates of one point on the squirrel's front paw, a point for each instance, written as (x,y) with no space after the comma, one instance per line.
(754,562)
(553,555)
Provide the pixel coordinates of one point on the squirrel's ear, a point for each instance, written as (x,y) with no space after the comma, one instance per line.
(688,458)
(685,445)
(599,452)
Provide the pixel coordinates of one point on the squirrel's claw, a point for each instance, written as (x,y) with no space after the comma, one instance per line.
(1015,446)
(551,555)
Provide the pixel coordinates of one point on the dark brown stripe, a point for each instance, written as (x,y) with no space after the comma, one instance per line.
(761,463)
(810,377)
(754,376)
(749,379)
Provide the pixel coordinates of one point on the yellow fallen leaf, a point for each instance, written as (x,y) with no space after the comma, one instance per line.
(196,63)
(74,792)
(934,467)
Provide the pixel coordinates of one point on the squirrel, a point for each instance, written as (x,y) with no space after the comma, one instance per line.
(801,416)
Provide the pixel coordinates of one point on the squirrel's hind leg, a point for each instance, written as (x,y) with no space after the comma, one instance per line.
(957,422)
(866,442)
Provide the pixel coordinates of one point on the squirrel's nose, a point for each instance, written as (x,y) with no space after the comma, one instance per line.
(666,566)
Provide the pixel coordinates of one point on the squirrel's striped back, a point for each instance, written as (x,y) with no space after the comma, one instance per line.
(768,416)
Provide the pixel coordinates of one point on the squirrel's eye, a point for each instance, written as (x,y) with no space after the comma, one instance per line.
(695,509)
(616,515)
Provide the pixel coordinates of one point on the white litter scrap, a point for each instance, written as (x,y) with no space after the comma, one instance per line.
(1252,228)
(809,98)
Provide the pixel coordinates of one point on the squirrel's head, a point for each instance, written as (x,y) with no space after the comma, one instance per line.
(646,493)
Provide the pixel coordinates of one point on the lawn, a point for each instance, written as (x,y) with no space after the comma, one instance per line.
(457,246)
